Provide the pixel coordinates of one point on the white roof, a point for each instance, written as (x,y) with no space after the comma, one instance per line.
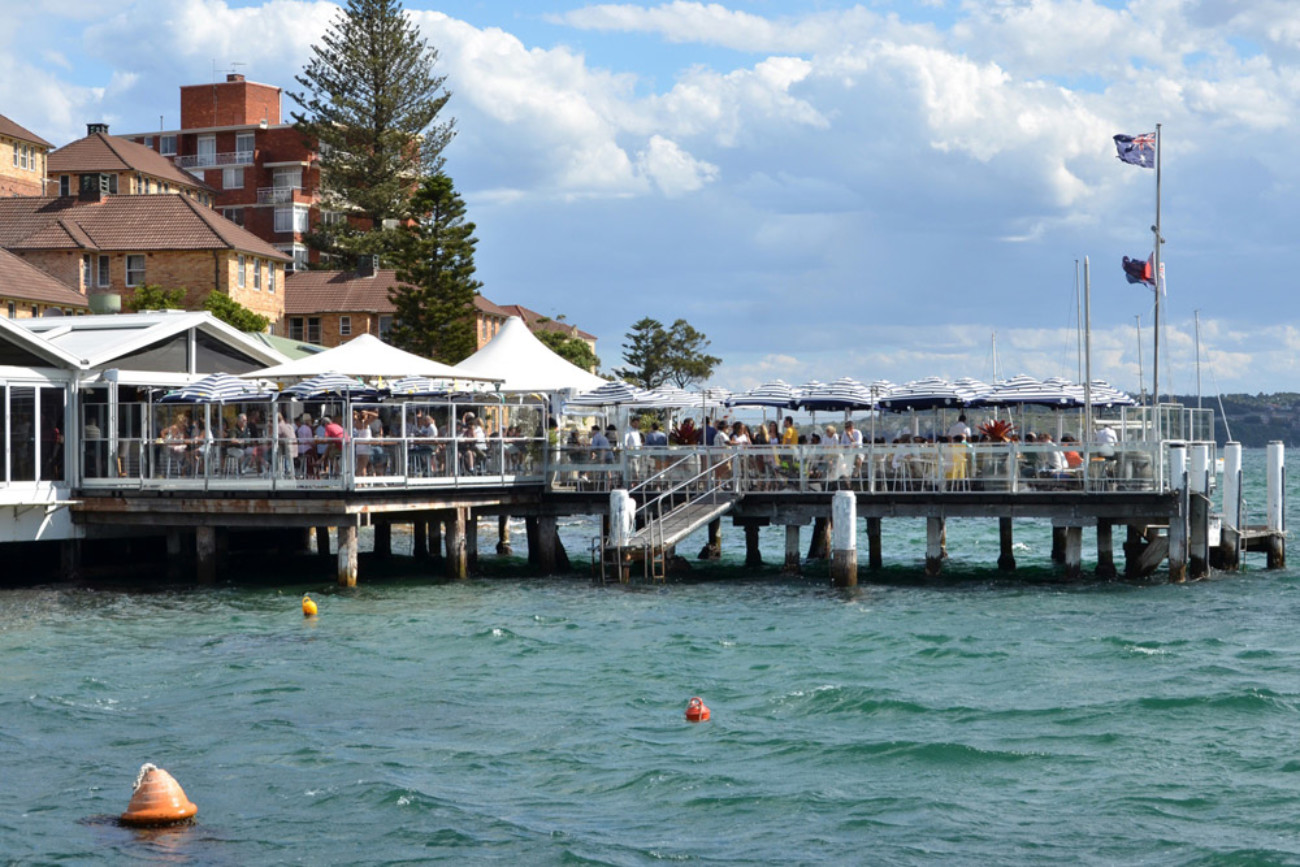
(99,341)
(525,364)
(364,356)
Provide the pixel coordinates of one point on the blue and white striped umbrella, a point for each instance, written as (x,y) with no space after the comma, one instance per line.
(777,393)
(975,388)
(330,385)
(219,388)
(1026,390)
(616,393)
(933,392)
(845,393)
(1105,395)
(418,386)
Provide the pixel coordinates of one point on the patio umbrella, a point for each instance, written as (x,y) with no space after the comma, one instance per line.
(1107,395)
(776,393)
(930,393)
(845,394)
(417,386)
(329,385)
(616,393)
(1025,390)
(219,388)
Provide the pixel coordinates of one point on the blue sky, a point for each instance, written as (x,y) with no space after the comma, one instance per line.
(871,189)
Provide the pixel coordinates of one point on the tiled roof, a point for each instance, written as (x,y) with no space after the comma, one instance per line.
(338,292)
(308,292)
(23,282)
(13,130)
(123,224)
(540,322)
(101,152)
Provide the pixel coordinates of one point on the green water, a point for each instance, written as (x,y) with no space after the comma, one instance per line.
(969,719)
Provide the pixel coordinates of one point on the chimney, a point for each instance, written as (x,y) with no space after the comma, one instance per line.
(367,266)
(234,76)
(92,128)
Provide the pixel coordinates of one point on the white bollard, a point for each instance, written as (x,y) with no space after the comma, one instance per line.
(1198,473)
(844,539)
(1276,493)
(1178,482)
(1232,485)
(622,518)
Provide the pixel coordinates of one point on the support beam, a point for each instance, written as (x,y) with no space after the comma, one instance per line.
(1105,549)
(1058,544)
(934,528)
(471,542)
(174,548)
(457,561)
(503,536)
(205,549)
(1073,553)
(348,556)
(435,535)
(547,539)
(383,539)
(70,559)
(531,537)
(844,539)
(420,538)
(712,549)
(1134,544)
(1006,546)
(874,556)
(1178,480)
(753,558)
(1198,511)
(791,566)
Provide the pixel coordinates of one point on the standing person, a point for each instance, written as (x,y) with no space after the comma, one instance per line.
(361,441)
(305,451)
(632,439)
(959,427)
(656,437)
(288,444)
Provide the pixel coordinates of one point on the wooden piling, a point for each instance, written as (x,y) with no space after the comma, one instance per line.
(503,536)
(205,550)
(471,542)
(753,558)
(383,539)
(435,535)
(1178,480)
(934,528)
(791,565)
(70,559)
(712,549)
(874,554)
(531,540)
(1006,546)
(1073,553)
(819,547)
(1230,537)
(1105,549)
(420,538)
(347,555)
(1198,512)
(547,540)
(323,541)
(457,566)
(1058,544)
(1276,506)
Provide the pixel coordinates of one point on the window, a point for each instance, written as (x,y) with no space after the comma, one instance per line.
(86,275)
(240,277)
(22,156)
(167,145)
(345,326)
(288,178)
(295,327)
(135,270)
(313,329)
(16,148)
(148,141)
(104,277)
(385,326)
(300,256)
(207,150)
(36,310)
(270,277)
(112,184)
(234,215)
(291,219)
(232,179)
(13,310)
(257,274)
(65,185)
(244,147)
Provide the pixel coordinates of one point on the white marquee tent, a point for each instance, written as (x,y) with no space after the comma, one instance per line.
(368,357)
(525,364)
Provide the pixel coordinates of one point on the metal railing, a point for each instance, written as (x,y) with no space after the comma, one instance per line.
(211,161)
(282,195)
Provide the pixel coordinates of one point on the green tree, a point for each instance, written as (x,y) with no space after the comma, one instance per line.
(572,349)
(231,312)
(435,301)
(151,296)
(371,102)
(656,355)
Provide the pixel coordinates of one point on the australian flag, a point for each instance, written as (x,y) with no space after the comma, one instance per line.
(1140,271)
(1140,150)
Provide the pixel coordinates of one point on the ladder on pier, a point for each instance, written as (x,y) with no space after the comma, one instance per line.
(675,501)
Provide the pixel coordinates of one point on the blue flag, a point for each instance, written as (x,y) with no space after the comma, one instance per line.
(1140,150)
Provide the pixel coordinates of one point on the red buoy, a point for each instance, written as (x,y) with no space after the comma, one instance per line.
(696,710)
(157,800)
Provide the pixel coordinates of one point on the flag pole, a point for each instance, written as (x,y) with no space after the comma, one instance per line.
(1089,433)
(1155,363)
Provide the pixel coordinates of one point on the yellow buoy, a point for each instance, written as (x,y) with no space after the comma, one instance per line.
(308,607)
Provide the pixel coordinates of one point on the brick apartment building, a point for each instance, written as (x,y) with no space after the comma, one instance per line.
(119,166)
(331,307)
(104,246)
(265,176)
(23,157)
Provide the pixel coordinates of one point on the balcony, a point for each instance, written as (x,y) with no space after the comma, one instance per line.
(191,162)
(284,195)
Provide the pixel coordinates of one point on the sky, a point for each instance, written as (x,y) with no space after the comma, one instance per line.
(886,189)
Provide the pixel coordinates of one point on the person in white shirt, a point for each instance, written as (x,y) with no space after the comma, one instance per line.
(632,439)
(959,427)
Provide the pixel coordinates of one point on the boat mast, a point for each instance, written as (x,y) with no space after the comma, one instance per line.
(1078,321)
(1087,349)
(1155,363)
(1197,314)
(1142,383)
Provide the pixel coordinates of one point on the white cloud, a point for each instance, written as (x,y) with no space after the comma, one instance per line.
(673,170)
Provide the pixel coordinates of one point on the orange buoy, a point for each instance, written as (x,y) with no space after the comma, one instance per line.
(157,800)
(696,710)
(308,606)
